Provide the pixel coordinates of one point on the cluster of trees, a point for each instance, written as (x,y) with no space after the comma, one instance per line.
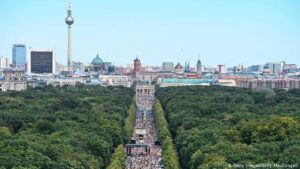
(118,160)
(69,127)
(170,158)
(215,127)
(130,122)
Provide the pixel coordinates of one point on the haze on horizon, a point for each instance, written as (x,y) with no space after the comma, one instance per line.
(222,32)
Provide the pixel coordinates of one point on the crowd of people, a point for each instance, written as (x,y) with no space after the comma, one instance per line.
(140,157)
(144,101)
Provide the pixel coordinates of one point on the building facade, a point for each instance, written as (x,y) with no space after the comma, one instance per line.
(199,67)
(19,56)
(179,69)
(269,83)
(12,80)
(108,80)
(272,68)
(42,61)
(255,68)
(168,82)
(167,67)
(97,65)
(136,67)
(4,63)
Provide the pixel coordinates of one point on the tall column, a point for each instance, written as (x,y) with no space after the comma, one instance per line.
(69,46)
(69,21)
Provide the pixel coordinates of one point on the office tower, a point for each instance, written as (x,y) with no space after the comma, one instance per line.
(19,56)
(69,21)
(137,67)
(167,67)
(41,61)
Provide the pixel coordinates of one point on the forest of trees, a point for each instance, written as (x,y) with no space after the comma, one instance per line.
(61,128)
(215,127)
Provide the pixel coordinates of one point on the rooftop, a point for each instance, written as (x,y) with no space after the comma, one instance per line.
(188,81)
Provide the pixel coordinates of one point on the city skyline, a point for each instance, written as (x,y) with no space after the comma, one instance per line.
(230,33)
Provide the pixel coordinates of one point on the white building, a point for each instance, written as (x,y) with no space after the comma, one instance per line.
(4,63)
(167,67)
(63,82)
(113,80)
(272,68)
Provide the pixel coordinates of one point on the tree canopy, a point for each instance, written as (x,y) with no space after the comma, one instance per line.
(215,127)
(69,127)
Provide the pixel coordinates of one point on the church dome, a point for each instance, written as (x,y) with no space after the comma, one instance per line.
(178,66)
(97,61)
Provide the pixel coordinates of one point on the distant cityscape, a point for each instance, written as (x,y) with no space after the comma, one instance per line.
(38,67)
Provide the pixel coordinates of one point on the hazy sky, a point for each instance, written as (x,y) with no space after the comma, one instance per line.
(222,31)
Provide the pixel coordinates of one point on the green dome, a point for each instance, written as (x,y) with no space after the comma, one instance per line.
(97,61)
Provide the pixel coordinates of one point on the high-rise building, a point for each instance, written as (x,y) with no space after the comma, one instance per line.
(69,21)
(42,61)
(4,63)
(167,67)
(19,56)
(137,67)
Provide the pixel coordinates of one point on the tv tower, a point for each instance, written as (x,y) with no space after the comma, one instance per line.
(69,21)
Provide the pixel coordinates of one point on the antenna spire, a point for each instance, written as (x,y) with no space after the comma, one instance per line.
(69,4)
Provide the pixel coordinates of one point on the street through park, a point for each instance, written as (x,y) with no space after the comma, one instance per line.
(144,151)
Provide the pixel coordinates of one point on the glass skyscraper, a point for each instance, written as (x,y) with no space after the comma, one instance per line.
(19,56)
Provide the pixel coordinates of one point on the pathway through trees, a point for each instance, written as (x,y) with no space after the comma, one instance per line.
(144,151)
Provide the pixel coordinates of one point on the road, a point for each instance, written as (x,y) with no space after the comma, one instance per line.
(144,154)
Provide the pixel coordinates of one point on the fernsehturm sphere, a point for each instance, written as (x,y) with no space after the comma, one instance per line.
(69,22)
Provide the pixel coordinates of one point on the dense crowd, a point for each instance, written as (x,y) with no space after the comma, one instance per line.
(139,157)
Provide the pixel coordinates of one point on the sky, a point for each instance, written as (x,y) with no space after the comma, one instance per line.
(230,32)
